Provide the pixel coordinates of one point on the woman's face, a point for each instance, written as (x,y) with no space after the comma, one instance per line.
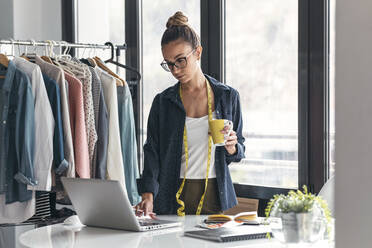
(181,59)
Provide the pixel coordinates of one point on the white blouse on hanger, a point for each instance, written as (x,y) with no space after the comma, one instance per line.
(115,165)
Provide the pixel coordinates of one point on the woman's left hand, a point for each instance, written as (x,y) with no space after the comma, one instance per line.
(231,140)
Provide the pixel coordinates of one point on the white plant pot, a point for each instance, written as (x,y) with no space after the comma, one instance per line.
(300,228)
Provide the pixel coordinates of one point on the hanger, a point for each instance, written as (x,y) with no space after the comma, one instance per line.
(4,62)
(30,56)
(111,60)
(100,63)
(48,58)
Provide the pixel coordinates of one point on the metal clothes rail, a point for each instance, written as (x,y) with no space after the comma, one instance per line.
(61,44)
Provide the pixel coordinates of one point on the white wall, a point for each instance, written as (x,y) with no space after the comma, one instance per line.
(6,19)
(31,19)
(353,123)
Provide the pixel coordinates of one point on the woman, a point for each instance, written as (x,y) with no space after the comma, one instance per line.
(184,172)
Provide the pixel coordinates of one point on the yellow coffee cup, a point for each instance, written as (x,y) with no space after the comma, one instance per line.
(216,126)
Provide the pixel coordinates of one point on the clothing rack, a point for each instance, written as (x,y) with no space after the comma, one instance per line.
(45,201)
(61,44)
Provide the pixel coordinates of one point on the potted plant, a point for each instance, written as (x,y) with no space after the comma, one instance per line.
(299,216)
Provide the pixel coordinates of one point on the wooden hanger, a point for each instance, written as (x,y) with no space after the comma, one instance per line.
(25,57)
(92,62)
(47,59)
(4,61)
(119,81)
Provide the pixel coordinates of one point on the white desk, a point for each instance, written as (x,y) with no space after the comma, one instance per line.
(56,236)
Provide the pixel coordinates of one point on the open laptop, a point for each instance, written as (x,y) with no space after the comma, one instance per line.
(104,203)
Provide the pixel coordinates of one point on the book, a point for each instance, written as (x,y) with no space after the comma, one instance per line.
(243,217)
(228,234)
(221,220)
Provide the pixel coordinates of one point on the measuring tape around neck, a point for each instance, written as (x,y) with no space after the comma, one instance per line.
(181,209)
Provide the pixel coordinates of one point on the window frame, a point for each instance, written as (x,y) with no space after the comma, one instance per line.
(313,89)
(134,58)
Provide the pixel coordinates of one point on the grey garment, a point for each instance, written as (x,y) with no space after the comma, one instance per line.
(128,142)
(102,142)
(58,75)
(96,89)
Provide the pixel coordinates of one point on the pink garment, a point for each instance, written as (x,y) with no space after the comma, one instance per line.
(77,121)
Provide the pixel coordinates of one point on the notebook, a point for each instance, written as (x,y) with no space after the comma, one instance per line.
(228,234)
(104,203)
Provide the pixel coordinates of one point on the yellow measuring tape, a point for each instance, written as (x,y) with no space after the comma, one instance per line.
(181,210)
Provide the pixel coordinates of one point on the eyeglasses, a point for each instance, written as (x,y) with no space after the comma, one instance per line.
(180,63)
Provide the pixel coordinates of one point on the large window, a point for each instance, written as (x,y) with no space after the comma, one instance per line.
(262,64)
(155,15)
(106,18)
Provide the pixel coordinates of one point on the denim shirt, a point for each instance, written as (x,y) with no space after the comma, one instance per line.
(16,135)
(59,161)
(163,147)
(128,143)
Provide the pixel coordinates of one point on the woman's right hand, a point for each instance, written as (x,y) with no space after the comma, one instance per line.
(146,206)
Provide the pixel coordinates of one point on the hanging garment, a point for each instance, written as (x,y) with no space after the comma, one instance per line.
(58,75)
(96,88)
(82,73)
(103,136)
(101,120)
(44,125)
(78,131)
(101,117)
(17,135)
(115,168)
(103,66)
(128,142)
(16,211)
(54,95)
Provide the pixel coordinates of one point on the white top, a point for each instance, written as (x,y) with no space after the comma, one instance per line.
(197,141)
(16,212)
(44,125)
(115,164)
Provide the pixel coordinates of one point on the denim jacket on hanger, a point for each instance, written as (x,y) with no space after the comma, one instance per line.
(16,136)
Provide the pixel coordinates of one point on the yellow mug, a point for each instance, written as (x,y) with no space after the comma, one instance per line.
(216,126)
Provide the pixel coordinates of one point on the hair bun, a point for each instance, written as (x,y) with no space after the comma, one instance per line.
(178,19)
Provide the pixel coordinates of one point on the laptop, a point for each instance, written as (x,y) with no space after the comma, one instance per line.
(104,203)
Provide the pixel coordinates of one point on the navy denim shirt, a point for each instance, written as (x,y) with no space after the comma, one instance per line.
(16,135)
(54,95)
(163,147)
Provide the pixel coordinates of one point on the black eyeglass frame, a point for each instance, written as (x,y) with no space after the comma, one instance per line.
(166,65)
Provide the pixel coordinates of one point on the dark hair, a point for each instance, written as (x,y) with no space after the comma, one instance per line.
(178,28)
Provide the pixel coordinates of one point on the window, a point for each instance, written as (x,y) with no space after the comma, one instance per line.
(262,64)
(106,18)
(155,16)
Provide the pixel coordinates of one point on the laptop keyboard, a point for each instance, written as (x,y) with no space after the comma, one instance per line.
(148,223)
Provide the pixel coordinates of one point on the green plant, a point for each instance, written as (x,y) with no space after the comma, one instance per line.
(298,202)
